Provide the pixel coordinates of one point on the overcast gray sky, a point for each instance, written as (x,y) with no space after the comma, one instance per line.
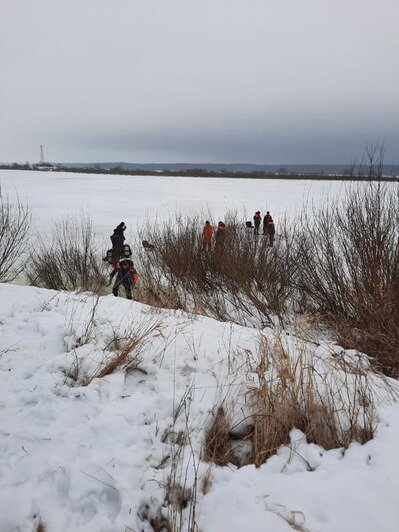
(266,81)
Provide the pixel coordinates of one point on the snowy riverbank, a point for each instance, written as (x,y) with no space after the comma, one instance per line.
(96,456)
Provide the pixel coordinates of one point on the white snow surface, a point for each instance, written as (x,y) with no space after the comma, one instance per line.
(89,458)
(136,200)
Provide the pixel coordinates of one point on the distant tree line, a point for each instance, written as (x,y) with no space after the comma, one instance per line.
(369,168)
(346,175)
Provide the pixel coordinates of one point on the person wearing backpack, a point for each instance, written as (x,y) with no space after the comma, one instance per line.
(126,275)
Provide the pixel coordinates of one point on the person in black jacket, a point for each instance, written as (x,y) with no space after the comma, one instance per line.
(120,230)
(117,239)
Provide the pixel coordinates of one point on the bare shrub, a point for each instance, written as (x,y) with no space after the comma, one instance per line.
(350,270)
(15,221)
(241,279)
(252,271)
(71,261)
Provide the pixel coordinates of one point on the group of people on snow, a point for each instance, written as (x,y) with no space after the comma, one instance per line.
(119,256)
(220,234)
(207,234)
(268,225)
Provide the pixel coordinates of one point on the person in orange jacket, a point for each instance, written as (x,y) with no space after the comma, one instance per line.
(207,233)
(126,275)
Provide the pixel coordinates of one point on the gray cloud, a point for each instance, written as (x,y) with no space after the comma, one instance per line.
(275,82)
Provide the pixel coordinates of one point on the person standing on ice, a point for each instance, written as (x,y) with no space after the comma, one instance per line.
(126,275)
(271,230)
(266,221)
(257,220)
(207,233)
(220,235)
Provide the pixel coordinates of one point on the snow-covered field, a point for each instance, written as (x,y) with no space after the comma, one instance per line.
(135,200)
(97,457)
(82,451)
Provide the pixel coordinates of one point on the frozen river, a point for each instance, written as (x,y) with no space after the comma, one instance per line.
(110,199)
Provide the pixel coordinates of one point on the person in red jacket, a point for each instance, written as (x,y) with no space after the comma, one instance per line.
(267,218)
(207,233)
(126,275)
(270,230)
(257,220)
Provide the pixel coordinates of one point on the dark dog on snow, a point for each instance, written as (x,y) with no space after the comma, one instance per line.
(147,246)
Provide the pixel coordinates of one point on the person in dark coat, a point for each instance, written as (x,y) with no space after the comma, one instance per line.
(257,220)
(271,230)
(117,244)
(220,234)
(117,239)
(120,229)
(267,218)
(126,275)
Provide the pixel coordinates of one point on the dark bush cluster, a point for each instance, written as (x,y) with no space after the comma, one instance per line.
(349,273)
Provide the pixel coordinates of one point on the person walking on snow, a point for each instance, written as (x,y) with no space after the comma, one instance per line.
(266,221)
(257,220)
(126,275)
(207,233)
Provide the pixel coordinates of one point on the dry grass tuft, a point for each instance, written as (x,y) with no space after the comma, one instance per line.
(39,525)
(127,354)
(157,520)
(217,447)
(331,400)
(206,481)
(332,408)
(121,358)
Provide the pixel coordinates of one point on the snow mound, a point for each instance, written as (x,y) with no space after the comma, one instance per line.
(87,450)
